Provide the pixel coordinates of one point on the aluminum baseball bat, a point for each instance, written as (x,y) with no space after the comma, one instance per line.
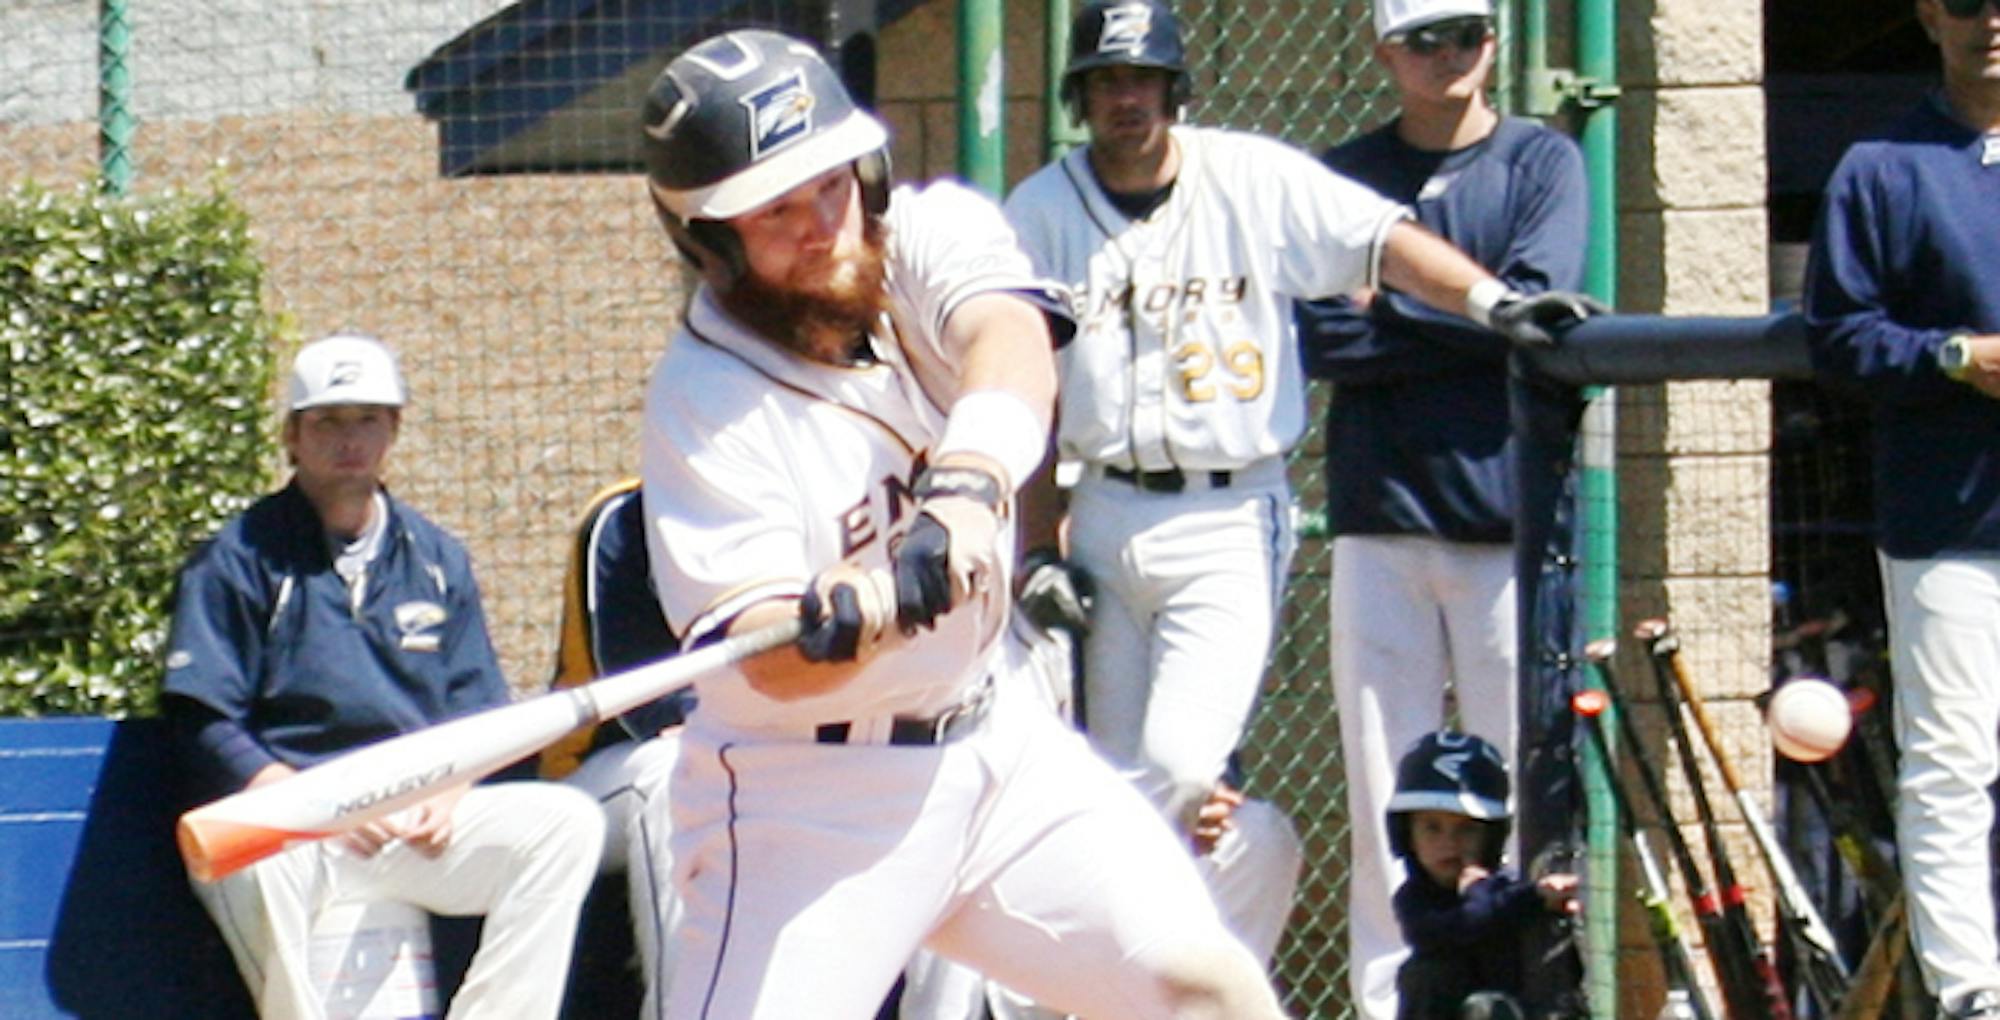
(1675,956)
(1743,991)
(1826,973)
(364,784)
(1734,898)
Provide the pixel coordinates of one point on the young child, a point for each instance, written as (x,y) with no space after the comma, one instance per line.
(1461,913)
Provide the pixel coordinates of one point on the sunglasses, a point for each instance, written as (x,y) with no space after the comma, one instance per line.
(1461,33)
(1966,8)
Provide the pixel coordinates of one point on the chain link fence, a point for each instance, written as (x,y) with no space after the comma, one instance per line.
(454,176)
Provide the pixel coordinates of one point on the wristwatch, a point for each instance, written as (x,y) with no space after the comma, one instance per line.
(1954,357)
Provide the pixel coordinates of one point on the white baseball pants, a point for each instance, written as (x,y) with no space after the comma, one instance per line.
(1944,636)
(811,873)
(1409,614)
(1188,586)
(630,779)
(521,854)
(1253,873)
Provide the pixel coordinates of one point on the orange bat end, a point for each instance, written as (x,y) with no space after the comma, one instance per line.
(1590,703)
(215,848)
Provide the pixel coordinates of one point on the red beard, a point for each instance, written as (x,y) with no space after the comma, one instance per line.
(818,311)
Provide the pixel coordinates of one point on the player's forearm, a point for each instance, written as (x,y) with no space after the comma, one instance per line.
(1005,349)
(783,674)
(1420,263)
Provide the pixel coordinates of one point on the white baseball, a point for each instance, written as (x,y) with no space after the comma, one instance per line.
(1809,718)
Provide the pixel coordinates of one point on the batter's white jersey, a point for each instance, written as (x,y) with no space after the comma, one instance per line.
(1185,353)
(762,468)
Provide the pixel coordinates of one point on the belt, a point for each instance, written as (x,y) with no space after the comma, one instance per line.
(943,728)
(1170,480)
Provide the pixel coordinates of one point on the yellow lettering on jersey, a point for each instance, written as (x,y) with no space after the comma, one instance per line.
(1242,362)
(1246,368)
(1195,362)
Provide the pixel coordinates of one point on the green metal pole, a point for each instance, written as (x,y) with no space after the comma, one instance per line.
(115,122)
(1061,133)
(1597,61)
(982,95)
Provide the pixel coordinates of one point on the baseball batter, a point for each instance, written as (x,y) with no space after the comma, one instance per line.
(835,433)
(1184,248)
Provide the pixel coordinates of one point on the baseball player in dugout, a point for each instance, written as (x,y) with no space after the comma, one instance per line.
(1184,248)
(1902,303)
(330,615)
(1419,448)
(834,435)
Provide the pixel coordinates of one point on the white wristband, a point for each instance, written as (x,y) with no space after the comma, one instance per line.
(999,426)
(1482,297)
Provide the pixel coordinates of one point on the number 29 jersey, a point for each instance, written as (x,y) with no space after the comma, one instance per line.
(1185,353)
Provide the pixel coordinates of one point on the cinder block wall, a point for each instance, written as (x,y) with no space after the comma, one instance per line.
(1693,457)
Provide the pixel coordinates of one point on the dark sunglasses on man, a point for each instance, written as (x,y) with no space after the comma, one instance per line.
(1462,33)
(1967,8)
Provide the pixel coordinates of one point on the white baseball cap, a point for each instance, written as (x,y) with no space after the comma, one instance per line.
(346,368)
(1393,16)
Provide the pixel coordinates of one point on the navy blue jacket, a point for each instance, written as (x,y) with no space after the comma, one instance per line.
(1905,254)
(269,661)
(1479,935)
(1417,439)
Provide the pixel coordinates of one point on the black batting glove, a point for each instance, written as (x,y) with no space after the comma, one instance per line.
(1537,320)
(846,611)
(1055,594)
(951,548)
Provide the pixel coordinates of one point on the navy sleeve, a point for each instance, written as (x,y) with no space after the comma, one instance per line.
(1400,338)
(476,682)
(211,685)
(1851,281)
(1493,905)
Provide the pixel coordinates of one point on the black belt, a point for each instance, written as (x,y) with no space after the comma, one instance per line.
(1170,480)
(942,728)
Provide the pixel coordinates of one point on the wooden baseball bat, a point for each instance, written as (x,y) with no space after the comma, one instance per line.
(1868,994)
(1824,972)
(369,782)
(1744,992)
(1675,956)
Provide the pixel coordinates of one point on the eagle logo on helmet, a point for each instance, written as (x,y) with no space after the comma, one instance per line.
(780,113)
(1126,28)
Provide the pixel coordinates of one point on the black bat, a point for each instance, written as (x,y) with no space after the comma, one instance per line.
(1825,974)
(1661,644)
(1743,991)
(1668,937)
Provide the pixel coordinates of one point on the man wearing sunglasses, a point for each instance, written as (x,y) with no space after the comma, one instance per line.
(1419,451)
(1903,301)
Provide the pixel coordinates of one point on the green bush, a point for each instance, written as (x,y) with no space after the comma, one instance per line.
(133,422)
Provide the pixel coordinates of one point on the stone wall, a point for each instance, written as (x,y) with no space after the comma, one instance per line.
(1692,457)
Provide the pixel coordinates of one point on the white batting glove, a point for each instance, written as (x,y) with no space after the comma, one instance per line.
(846,611)
(952,550)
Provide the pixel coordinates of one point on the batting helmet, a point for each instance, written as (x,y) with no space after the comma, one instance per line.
(1455,772)
(1129,33)
(738,120)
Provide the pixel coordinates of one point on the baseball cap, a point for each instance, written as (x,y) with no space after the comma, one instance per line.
(1393,16)
(345,368)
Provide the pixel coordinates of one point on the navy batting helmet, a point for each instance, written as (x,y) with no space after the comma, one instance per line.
(741,118)
(1127,33)
(1455,772)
